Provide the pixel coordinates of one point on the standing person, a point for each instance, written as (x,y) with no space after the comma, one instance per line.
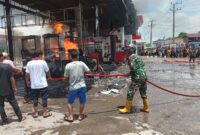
(36,71)
(10,62)
(74,75)
(97,68)
(138,80)
(28,97)
(192,54)
(7,90)
(7,60)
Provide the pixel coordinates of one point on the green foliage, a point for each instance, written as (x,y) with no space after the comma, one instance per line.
(182,35)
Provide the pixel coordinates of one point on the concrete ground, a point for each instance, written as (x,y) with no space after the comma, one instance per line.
(169,114)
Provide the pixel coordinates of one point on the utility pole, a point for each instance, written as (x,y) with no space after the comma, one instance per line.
(174,9)
(9,29)
(81,25)
(151,33)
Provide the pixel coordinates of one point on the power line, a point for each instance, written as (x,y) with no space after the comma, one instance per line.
(163,24)
(191,11)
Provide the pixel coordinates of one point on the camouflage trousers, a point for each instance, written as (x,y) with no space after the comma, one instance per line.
(142,86)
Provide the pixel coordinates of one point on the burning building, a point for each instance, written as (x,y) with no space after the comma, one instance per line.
(85,18)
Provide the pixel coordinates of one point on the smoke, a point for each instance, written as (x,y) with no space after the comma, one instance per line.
(132,24)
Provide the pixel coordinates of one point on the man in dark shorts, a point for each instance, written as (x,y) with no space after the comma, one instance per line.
(36,71)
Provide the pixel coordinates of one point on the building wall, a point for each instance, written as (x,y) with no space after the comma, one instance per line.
(168,42)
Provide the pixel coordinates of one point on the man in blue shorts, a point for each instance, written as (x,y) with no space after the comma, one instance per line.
(74,75)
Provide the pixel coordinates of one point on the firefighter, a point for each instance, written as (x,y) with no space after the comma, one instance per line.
(138,80)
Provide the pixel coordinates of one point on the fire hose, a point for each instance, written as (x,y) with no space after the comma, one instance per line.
(126,75)
(175,93)
(93,75)
(181,62)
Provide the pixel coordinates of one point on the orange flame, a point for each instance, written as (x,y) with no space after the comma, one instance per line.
(58,27)
(68,45)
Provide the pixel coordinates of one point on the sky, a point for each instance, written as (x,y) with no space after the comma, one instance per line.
(187,17)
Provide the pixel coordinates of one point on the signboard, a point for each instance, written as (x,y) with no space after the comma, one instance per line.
(148,45)
(136,36)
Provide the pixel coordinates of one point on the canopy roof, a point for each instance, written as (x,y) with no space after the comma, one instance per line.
(44,5)
(112,13)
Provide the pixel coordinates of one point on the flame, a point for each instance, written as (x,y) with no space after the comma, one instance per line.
(68,45)
(58,27)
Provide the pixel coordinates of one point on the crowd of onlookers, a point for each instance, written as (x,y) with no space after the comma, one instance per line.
(172,52)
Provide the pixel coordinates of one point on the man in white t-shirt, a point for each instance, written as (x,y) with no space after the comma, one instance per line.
(74,75)
(36,71)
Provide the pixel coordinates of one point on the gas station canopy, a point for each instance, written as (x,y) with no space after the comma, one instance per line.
(45,5)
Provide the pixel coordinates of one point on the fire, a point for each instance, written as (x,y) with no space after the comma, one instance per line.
(58,27)
(68,45)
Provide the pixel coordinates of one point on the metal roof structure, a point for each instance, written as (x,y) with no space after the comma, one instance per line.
(61,10)
(45,5)
(194,35)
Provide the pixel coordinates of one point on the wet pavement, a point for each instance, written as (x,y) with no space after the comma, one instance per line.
(169,114)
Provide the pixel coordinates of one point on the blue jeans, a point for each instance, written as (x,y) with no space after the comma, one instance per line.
(80,93)
(40,92)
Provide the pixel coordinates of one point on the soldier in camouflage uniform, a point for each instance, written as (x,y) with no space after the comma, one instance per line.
(138,80)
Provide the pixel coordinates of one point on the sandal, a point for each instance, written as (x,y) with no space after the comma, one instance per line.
(35,115)
(82,117)
(66,118)
(47,114)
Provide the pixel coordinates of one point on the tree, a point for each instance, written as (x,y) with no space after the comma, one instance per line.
(182,35)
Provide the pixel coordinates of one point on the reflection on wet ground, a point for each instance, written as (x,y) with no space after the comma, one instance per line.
(175,76)
(172,114)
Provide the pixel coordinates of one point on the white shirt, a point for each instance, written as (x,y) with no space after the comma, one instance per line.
(37,70)
(75,71)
